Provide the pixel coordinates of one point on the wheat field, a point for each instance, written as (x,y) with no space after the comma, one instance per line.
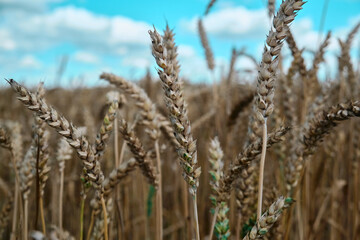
(166,158)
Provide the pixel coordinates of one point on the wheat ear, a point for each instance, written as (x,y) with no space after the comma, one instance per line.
(139,153)
(14,145)
(64,128)
(41,154)
(243,160)
(27,173)
(318,127)
(148,109)
(267,220)
(206,46)
(107,124)
(220,223)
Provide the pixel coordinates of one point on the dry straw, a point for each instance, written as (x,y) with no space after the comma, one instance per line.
(205,44)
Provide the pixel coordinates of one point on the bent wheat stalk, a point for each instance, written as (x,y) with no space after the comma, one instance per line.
(75,138)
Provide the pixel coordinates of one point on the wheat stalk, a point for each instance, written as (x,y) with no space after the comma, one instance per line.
(267,76)
(64,153)
(165,53)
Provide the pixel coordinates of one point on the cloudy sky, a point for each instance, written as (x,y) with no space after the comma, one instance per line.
(93,36)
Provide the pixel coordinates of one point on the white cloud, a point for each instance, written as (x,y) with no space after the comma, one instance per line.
(29,61)
(86,57)
(236,22)
(25,5)
(80,27)
(6,42)
(139,62)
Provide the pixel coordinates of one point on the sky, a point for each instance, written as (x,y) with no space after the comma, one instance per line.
(93,36)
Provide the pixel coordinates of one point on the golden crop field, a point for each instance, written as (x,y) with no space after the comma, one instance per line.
(167,158)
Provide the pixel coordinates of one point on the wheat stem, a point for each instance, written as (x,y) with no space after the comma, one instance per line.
(41,203)
(61,200)
(261,170)
(196,218)
(14,220)
(213,223)
(159,193)
(91,225)
(82,217)
(105,218)
(25,232)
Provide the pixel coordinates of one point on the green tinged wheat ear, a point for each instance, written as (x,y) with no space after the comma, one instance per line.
(148,109)
(221,228)
(245,191)
(267,220)
(165,53)
(107,123)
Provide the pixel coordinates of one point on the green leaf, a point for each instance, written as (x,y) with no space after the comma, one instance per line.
(150,197)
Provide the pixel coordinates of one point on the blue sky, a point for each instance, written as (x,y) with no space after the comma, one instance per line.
(98,36)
